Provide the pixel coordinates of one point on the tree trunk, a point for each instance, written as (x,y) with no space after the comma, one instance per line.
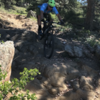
(90,14)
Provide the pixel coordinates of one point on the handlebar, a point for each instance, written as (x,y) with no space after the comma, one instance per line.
(45,21)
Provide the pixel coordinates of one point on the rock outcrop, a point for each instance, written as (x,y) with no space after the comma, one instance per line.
(6,57)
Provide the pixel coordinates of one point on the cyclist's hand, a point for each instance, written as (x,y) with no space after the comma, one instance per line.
(61,22)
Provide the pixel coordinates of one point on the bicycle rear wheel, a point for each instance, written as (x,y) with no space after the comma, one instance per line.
(48,46)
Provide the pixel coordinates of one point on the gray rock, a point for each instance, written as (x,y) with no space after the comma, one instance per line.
(87,53)
(68,49)
(74,51)
(78,51)
(22,46)
(31,13)
(91,49)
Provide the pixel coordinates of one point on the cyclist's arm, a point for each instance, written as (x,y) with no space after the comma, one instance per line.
(57,13)
(41,15)
(59,17)
(43,7)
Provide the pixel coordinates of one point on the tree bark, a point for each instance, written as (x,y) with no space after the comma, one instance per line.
(90,14)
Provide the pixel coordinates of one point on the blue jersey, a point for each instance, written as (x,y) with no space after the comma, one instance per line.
(44,6)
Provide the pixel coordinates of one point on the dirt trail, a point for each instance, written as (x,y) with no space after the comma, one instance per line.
(17,21)
(62,78)
(11,19)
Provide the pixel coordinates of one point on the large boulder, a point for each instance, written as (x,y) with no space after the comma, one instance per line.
(74,51)
(6,57)
(55,79)
(79,51)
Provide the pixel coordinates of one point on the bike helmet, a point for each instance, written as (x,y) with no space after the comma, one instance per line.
(51,3)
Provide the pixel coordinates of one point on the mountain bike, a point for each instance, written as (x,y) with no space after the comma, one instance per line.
(48,37)
(48,44)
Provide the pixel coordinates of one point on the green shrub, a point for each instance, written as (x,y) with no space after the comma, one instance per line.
(15,86)
(92,41)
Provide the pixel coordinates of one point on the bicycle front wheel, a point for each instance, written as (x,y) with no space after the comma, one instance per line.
(48,46)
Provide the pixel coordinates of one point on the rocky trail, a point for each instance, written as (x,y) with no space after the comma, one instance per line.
(62,77)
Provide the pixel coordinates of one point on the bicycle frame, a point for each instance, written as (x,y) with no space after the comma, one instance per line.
(48,27)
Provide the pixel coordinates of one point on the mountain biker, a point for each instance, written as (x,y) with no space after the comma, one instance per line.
(44,11)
